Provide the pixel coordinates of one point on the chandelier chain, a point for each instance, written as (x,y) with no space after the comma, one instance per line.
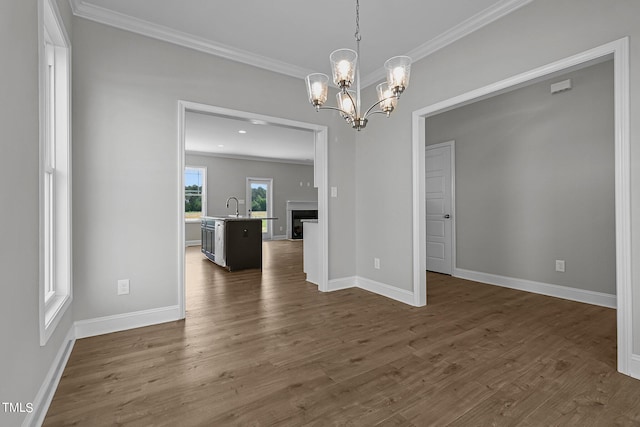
(357,34)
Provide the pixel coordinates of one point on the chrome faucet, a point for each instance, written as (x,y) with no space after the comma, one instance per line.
(236,199)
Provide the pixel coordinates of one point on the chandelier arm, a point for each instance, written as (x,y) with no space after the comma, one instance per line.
(356,108)
(337,109)
(368,113)
(379,112)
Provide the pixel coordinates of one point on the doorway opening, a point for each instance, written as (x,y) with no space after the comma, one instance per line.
(619,51)
(260,203)
(319,180)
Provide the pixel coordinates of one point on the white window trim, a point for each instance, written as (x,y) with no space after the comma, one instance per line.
(203,169)
(55,260)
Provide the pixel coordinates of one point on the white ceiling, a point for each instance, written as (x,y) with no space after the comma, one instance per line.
(220,136)
(294,37)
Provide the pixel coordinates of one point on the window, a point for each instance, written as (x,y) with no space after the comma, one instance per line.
(55,171)
(195,199)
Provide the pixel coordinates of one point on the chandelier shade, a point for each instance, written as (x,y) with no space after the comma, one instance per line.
(386,98)
(346,103)
(343,67)
(398,69)
(345,70)
(317,88)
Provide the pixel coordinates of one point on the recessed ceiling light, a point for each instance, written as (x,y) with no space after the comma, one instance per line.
(258,122)
(220,146)
(242,131)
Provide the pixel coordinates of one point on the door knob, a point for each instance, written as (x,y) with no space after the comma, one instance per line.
(447,216)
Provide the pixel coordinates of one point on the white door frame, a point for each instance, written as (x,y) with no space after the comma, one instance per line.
(321,173)
(269,202)
(628,363)
(452,147)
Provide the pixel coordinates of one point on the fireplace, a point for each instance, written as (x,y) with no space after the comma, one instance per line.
(296,221)
(296,212)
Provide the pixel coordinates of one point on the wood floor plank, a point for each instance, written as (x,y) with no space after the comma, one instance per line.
(262,348)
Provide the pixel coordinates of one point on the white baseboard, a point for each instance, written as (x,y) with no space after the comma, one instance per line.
(279,237)
(50,384)
(564,292)
(407,297)
(342,283)
(123,322)
(193,243)
(388,291)
(381,289)
(634,370)
(83,329)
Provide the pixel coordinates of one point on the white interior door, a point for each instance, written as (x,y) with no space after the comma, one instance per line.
(439,202)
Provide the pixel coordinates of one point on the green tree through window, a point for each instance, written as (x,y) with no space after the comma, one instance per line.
(259,202)
(258,199)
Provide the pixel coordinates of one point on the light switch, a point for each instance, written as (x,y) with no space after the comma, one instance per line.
(334,191)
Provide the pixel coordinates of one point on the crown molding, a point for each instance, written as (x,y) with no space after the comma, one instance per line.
(479,20)
(160,32)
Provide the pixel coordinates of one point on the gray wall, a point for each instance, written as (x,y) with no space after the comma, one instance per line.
(24,362)
(539,33)
(228,177)
(126,96)
(535,181)
(126,89)
(192,232)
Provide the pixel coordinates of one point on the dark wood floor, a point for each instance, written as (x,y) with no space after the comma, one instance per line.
(267,348)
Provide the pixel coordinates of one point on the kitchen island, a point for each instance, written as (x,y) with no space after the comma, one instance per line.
(234,243)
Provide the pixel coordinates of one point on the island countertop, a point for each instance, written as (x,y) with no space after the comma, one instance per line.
(235,218)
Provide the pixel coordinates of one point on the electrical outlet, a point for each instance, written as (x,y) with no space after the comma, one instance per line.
(376,263)
(280,228)
(334,191)
(560,265)
(123,287)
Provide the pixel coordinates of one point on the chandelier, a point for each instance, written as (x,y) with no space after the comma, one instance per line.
(345,67)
